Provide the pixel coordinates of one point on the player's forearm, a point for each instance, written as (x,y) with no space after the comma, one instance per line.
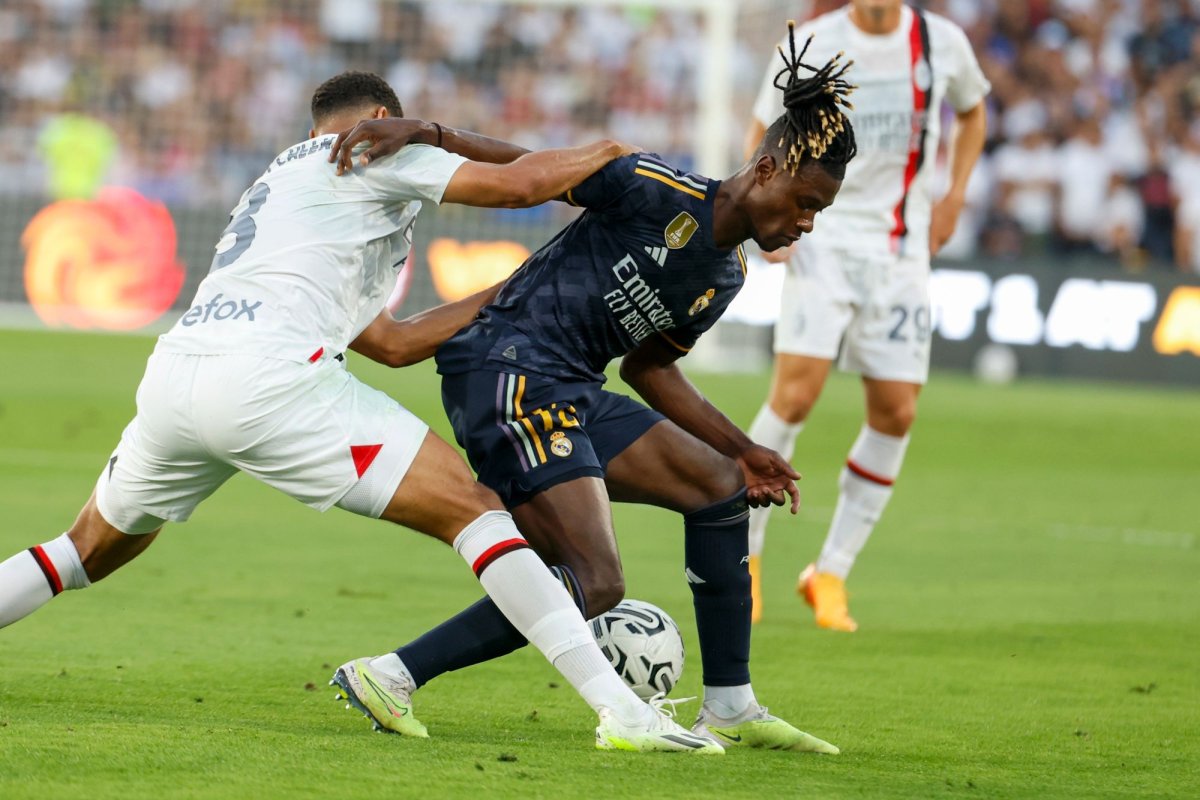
(478,147)
(546,174)
(400,343)
(970,131)
(668,391)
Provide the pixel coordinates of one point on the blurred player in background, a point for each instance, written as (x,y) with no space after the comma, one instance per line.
(252,379)
(649,266)
(861,279)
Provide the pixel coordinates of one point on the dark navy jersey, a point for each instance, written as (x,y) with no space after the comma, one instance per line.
(639,261)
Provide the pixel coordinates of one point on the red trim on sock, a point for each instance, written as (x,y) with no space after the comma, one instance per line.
(495,551)
(47,566)
(867,475)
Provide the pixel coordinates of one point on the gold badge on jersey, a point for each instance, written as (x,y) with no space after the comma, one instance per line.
(679,232)
(560,445)
(701,303)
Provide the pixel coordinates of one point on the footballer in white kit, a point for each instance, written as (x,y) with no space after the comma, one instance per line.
(252,378)
(858,284)
(305,265)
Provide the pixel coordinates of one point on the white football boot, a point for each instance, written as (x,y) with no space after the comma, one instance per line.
(655,732)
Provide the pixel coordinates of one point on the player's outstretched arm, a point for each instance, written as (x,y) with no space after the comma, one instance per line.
(386,136)
(651,370)
(401,342)
(533,178)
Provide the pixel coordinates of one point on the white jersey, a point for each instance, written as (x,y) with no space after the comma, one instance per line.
(902,77)
(309,257)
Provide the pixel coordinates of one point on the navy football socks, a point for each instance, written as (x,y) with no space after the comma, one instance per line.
(716,553)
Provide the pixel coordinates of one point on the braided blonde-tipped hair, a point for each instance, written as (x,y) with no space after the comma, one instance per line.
(815,126)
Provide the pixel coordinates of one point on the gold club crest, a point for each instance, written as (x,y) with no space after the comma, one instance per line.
(701,303)
(679,232)
(560,445)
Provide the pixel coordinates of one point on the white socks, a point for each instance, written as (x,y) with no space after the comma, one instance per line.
(539,607)
(866,487)
(729,702)
(769,431)
(391,665)
(31,578)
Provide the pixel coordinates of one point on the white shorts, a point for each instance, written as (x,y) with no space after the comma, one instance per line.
(312,431)
(873,309)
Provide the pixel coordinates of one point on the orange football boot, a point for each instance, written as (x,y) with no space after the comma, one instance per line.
(826,593)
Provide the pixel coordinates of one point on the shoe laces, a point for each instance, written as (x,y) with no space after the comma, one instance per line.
(664,706)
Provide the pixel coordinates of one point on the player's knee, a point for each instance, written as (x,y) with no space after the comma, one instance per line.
(792,401)
(484,499)
(717,479)
(469,504)
(894,420)
(723,479)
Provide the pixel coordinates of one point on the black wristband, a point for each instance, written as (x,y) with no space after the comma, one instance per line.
(439,130)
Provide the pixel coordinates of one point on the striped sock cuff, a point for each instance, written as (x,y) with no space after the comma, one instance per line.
(877,457)
(47,567)
(488,538)
(496,551)
(867,475)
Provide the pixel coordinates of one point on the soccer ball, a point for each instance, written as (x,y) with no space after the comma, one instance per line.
(643,644)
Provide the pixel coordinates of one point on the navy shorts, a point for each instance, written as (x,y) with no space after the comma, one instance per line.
(524,434)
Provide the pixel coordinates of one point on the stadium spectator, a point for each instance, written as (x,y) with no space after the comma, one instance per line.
(1083,177)
(1123,224)
(1027,173)
(1154,189)
(1185,189)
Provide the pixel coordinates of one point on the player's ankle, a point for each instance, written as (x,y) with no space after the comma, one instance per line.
(392,666)
(729,703)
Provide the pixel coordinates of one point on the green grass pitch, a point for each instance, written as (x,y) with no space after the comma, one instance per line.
(1030,612)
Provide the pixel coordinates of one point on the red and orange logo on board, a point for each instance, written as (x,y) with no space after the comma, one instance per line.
(462,269)
(106,263)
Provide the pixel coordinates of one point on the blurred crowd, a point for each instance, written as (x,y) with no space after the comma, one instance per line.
(1093,151)
(1094,135)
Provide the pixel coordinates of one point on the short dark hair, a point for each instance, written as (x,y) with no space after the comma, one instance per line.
(813,126)
(353,90)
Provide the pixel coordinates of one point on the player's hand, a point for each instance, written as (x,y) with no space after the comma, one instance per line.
(385,136)
(944,221)
(770,479)
(628,149)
